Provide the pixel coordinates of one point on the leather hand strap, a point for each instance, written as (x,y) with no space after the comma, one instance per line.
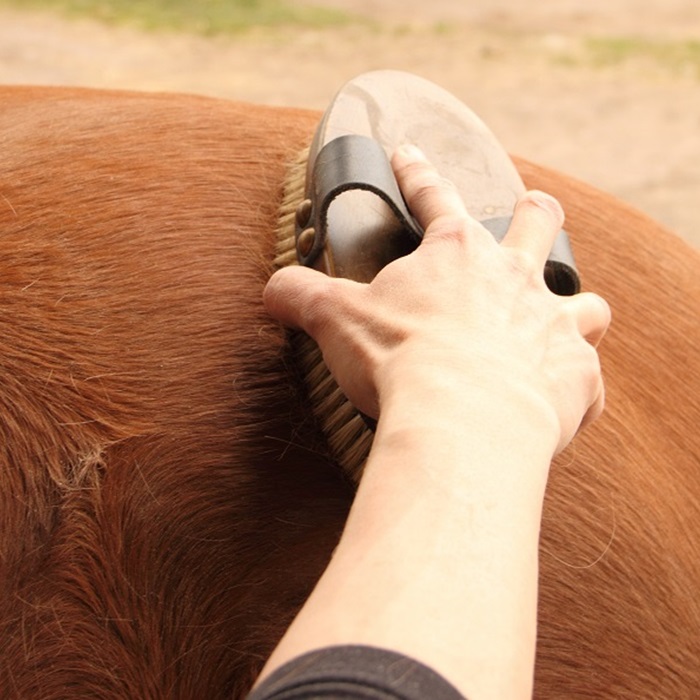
(356,162)
(346,163)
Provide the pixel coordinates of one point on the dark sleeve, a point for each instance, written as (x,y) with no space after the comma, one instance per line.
(354,673)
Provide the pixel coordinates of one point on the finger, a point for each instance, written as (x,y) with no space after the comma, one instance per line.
(537,220)
(592,314)
(298,296)
(429,196)
(596,408)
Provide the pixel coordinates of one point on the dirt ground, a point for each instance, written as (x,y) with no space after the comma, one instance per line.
(631,129)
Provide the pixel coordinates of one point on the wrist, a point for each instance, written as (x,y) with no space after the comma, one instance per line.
(462,447)
(461,406)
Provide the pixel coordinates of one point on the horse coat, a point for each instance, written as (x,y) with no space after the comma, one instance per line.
(166,500)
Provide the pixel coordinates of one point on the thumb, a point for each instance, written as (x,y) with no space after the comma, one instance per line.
(298,297)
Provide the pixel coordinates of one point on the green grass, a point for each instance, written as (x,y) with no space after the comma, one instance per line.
(677,56)
(207,17)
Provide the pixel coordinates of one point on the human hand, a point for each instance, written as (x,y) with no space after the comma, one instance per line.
(460,311)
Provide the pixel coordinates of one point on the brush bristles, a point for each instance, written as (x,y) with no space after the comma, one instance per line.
(293,195)
(348,436)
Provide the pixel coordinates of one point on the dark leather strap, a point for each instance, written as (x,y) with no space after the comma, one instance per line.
(353,162)
(560,272)
(356,162)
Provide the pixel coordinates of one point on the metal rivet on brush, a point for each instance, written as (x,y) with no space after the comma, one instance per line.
(303,213)
(305,242)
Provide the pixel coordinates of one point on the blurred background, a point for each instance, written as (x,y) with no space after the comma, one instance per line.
(605,90)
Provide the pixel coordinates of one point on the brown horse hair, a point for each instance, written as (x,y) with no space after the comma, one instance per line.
(166,500)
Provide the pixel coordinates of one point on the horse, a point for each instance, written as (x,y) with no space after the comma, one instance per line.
(167,500)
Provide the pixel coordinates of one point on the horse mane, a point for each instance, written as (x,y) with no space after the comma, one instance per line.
(166,500)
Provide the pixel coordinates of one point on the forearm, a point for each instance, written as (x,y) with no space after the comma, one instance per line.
(479,375)
(439,556)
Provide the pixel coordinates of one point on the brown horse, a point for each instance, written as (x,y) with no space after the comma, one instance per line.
(167,502)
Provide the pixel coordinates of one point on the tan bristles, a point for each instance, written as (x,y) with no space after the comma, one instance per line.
(293,195)
(348,436)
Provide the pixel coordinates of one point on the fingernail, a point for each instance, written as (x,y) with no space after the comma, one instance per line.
(408,150)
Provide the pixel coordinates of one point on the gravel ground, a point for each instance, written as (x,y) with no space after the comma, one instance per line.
(631,129)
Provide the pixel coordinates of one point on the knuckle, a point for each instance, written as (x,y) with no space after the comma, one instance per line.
(522,263)
(598,311)
(605,310)
(591,368)
(546,203)
(329,305)
(450,229)
(598,405)
(298,297)
(275,288)
(429,185)
(415,172)
(315,309)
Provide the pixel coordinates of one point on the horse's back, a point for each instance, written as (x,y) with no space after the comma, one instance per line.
(149,424)
(166,501)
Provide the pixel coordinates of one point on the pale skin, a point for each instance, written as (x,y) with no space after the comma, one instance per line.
(478,376)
